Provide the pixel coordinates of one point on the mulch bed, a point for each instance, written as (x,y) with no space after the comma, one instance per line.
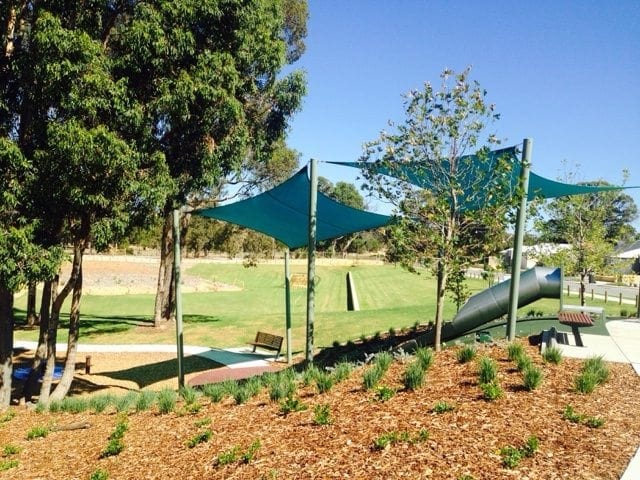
(465,441)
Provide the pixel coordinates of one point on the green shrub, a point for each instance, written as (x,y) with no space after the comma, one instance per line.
(215,391)
(41,407)
(282,387)
(120,429)
(552,355)
(322,414)
(250,453)
(426,357)
(99,475)
(342,371)
(99,403)
(309,375)
(145,400)
(253,386)
(523,362)
(594,422)
(532,377)
(10,449)
(241,394)
(324,382)
(229,456)
(530,446)
(114,448)
(586,382)
(491,391)
(514,350)
(442,407)
(7,416)
(383,360)
(39,431)
(511,456)
(413,376)
(124,403)
(292,405)
(372,376)
(189,394)
(199,438)
(74,404)
(570,414)
(386,439)
(385,393)
(55,406)
(487,370)
(466,354)
(167,400)
(8,464)
(598,367)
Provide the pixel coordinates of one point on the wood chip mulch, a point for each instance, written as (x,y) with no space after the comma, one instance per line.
(463,443)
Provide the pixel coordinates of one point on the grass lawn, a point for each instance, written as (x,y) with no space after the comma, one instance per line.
(389,297)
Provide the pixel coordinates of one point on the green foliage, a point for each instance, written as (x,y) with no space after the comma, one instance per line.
(384,393)
(342,371)
(383,360)
(511,456)
(125,403)
(74,404)
(414,375)
(250,454)
(99,403)
(594,371)
(8,464)
(309,374)
(39,431)
(322,414)
(515,350)
(166,400)
(281,386)
(202,422)
(389,438)
(487,370)
(372,376)
(7,416)
(10,449)
(116,445)
(531,446)
(466,354)
(228,456)
(324,381)
(145,400)
(532,377)
(99,475)
(523,362)
(425,357)
(443,407)
(491,391)
(571,415)
(292,404)
(594,422)
(199,438)
(215,391)
(552,355)
(189,394)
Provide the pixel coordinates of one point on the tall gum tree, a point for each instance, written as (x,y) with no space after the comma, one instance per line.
(435,227)
(207,74)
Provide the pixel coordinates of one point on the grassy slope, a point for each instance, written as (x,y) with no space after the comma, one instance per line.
(388,296)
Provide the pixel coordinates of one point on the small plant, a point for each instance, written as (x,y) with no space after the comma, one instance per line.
(523,362)
(322,415)
(571,415)
(202,422)
(189,394)
(377,336)
(392,332)
(124,403)
(199,438)
(7,416)
(8,464)
(598,367)
(215,391)
(594,422)
(309,375)
(491,391)
(532,377)
(99,475)
(586,382)
(241,395)
(10,449)
(324,381)
(342,371)
(166,400)
(38,431)
(41,407)
(250,454)
(487,370)
(442,407)
(383,360)
(413,376)
(425,357)
(552,355)
(514,350)
(531,446)
(281,387)
(385,440)
(290,405)
(466,354)
(116,445)
(372,376)
(74,405)
(511,456)
(421,436)
(229,456)
(55,406)
(385,393)
(99,403)
(145,400)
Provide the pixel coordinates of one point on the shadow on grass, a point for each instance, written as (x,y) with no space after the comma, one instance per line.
(145,375)
(200,319)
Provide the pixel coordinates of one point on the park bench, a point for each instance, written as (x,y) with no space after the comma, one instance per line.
(268,341)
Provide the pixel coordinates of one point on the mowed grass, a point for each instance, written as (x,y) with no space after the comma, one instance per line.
(389,297)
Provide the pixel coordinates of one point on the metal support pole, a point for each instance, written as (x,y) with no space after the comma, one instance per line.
(311,258)
(516,261)
(287,302)
(176,279)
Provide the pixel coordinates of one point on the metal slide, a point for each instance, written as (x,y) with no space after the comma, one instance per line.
(536,283)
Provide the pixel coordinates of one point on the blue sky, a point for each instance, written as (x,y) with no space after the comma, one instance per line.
(564,73)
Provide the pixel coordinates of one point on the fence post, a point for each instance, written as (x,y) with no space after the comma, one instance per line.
(568,293)
(605,296)
(620,300)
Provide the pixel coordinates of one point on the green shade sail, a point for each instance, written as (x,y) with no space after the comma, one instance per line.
(283,213)
(475,170)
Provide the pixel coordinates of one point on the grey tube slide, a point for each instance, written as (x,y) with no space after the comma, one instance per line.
(536,283)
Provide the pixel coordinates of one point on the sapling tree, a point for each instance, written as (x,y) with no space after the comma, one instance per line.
(458,213)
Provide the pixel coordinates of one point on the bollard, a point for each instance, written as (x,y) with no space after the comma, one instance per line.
(605,296)
(87,364)
(592,294)
(620,299)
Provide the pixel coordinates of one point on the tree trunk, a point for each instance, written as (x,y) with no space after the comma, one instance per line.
(74,333)
(583,275)
(441,279)
(6,346)
(32,317)
(37,365)
(163,304)
(47,379)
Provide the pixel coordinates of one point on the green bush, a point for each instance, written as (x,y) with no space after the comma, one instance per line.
(114,448)
(511,456)
(552,355)
(290,405)
(8,464)
(426,357)
(514,350)
(7,416)
(145,400)
(491,391)
(229,456)
(570,414)
(324,381)
(594,422)
(189,394)
(442,407)
(586,382)
(466,354)
(99,475)
(167,400)
(74,404)
(309,375)
(215,391)
(523,362)
(124,403)
(99,403)
(199,438)
(532,377)
(487,370)
(39,431)
(413,376)
(383,360)
(372,376)
(342,371)
(322,415)
(10,449)
(598,367)
(250,453)
(385,393)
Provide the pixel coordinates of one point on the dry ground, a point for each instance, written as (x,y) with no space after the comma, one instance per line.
(462,442)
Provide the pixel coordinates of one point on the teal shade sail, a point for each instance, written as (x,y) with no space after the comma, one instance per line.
(477,171)
(283,213)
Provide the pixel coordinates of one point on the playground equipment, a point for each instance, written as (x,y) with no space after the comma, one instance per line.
(536,283)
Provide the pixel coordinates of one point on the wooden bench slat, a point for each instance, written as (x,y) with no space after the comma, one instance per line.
(575,318)
(268,341)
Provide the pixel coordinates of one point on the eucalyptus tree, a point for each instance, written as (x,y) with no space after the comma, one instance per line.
(207,73)
(459,216)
